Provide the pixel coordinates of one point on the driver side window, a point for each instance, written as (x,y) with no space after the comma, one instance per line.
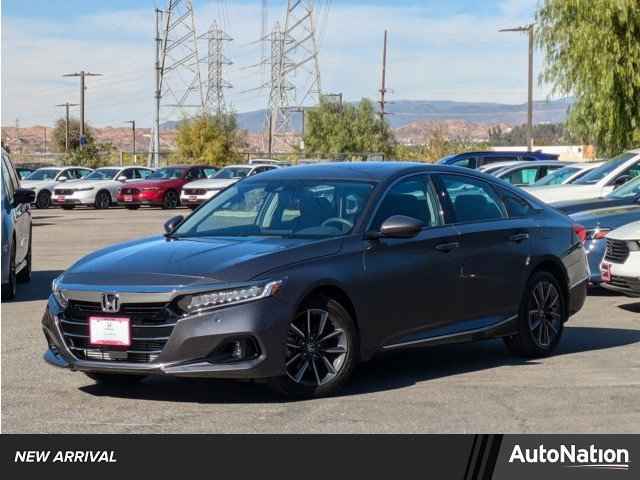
(413,198)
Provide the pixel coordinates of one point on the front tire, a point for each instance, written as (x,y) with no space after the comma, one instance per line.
(115,379)
(25,274)
(170,200)
(541,319)
(320,350)
(9,289)
(103,200)
(44,199)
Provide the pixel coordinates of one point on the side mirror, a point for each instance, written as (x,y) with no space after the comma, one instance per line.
(62,178)
(621,180)
(171,224)
(398,226)
(23,195)
(122,178)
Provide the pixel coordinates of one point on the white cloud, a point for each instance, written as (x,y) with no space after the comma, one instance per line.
(459,57)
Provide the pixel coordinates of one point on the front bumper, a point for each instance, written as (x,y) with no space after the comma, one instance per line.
(87,197)
(595,250)
(144,198)
(188,350)
(197,199)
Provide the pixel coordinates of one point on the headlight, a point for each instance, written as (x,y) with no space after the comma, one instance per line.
(86,189)
(57,293)
(230,296)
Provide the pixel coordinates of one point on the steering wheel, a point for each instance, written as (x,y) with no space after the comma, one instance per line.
(337,220)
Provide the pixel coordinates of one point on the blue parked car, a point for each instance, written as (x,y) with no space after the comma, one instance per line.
(598,223)
(478,159)
(628,194)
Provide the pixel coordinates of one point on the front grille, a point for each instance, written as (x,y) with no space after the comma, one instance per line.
(151,327)
(617,251)
(130,191)
(63,191)
(627,283)
(195,191)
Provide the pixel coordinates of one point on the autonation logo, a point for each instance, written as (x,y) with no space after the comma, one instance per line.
(573,457)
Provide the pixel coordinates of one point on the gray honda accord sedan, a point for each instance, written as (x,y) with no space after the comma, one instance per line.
(296,275)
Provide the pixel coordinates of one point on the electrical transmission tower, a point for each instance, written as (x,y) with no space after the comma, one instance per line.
(179,86)
(215,99)
(295,67)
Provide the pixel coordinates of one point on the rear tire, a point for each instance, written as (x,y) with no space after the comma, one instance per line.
(320,350)
(44,199)
(541,318)
(115,379)
(103,200)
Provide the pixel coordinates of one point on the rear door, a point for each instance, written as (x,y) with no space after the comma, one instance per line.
(494,245)
(21,213)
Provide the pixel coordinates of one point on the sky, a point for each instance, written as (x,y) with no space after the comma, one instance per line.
(438,50)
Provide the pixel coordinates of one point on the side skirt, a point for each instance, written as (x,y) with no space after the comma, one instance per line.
(501,328)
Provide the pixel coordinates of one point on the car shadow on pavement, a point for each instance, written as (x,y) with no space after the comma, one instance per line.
(38,288)
(631,307)
(385,372)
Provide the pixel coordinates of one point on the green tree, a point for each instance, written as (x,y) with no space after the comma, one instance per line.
(213,140)
(436,146)
(59,132)
(592,51)
(346,131)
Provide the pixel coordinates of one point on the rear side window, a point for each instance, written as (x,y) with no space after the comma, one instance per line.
(466,162)
(472,200)
(516,207)
(412,198)
(524,176)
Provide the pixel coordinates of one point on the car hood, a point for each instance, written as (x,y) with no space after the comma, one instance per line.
(37,184)
(558,193)
(217,183)
(574,206)
(607,217)
(87,183)
(630,231)
(179,263)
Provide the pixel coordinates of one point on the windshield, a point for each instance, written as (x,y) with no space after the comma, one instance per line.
(558,177)
(597,174)
(232,172)
(292,209)
(103,174)
(629,189)
(44,174)
(168,173)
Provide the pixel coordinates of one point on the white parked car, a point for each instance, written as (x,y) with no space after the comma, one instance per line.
(99,189)
(492,168)
(620,268)
(526,173)
(195,193)
(597,183)
(567,175)
(43,180)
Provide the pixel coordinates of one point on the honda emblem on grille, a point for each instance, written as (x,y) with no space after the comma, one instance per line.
(110,302)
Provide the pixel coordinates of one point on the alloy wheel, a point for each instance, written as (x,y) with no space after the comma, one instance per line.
(170,200)
(544,314)
(316,348)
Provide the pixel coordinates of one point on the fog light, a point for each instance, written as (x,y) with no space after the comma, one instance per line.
(237,352)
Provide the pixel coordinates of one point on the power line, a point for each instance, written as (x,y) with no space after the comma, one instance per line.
(82,74)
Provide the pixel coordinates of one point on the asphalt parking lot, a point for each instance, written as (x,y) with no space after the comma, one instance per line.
(591,385)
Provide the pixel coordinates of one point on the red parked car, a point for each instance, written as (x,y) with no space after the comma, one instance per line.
(162,188)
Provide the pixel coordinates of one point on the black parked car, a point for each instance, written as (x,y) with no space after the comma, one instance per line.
(478,159)
(297,274)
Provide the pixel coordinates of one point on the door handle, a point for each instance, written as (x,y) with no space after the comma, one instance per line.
(519,237)
(447,247)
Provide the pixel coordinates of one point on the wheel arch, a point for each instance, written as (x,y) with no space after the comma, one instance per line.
(335,292)
(556,268)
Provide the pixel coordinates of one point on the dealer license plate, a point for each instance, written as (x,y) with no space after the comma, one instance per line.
(128,198)
(112,331)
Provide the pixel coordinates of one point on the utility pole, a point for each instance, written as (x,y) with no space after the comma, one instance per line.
(529,29)
(383,88)
(133,138)
(82,74)
(217,62)
(66,106)
(155,161)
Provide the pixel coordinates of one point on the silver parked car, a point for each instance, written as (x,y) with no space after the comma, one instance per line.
(16,230)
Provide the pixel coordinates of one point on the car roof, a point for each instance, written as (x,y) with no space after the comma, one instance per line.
(515,153)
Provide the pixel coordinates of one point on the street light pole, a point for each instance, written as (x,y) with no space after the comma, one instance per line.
(529,29)
(133,138)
